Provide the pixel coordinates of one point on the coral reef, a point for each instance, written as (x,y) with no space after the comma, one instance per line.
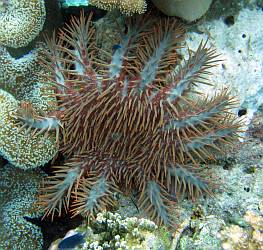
(21,21)
(189,10)
(20,84)
(135,122)
(111,231)
(19,146)
(241,49)
(125,6)
(250,236)
(200,224)
(16,73)
(128,7)
(18,189)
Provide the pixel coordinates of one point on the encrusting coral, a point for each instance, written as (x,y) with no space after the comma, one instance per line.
(135,122)
(20,21)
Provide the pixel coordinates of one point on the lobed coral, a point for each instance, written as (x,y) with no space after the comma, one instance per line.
(18,145)
(20,85)
(16,73)
(18,189)
(111,231)
(135,122)
(21,21)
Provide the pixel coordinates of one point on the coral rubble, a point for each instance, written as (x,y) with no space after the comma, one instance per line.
(250,237)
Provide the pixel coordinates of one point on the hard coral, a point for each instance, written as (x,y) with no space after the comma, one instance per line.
(21,21)
(111,231)
(125,6)
(19,84)
(134,123)
(16,73)
(18,145)
(18,190)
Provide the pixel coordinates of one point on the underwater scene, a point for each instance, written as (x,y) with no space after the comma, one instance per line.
(131,124)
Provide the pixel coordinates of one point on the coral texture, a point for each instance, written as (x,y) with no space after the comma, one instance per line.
(24,98)
(135,122)
(18,189)
(250,236)
(21,21)
(111,231)
(19,146)
(189,10)
(16,73)
(125,6)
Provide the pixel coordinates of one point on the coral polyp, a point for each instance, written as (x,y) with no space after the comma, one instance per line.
(136,121)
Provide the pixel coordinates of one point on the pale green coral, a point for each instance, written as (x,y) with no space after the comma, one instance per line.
(18,189)
(16,74)
(21,21)
(17,145)
(21,78)
(110,231)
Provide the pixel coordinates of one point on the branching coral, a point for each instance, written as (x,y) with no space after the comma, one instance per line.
(111,231)
(134,123)
(21,21)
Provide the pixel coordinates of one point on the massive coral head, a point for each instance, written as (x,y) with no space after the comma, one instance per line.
(136,121)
